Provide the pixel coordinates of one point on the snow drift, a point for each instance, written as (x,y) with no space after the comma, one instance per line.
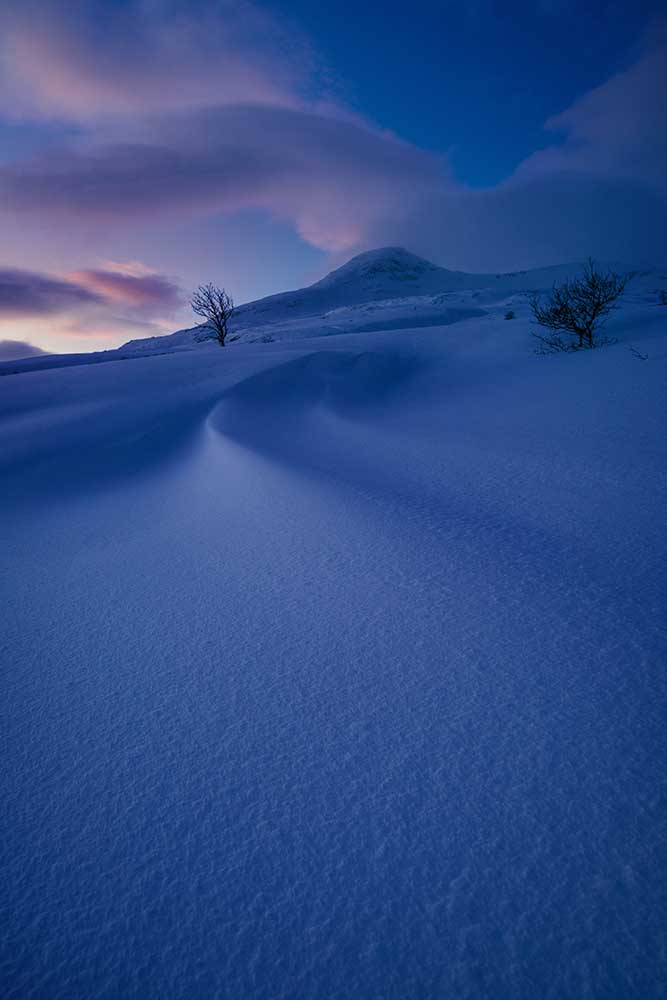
(335,667)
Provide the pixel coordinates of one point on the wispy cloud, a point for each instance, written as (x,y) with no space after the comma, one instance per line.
(332,177)
(618,128)
(26,293)
(120,283)
(102,306)
(87,58)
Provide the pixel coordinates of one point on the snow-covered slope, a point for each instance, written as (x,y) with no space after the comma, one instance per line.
(388,288)
(385,289)
(385,276)
(335,668)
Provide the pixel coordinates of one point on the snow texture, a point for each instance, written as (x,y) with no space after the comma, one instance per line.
(334,667)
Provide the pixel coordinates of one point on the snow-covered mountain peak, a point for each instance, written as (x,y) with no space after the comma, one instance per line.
(386,264)
(382,289)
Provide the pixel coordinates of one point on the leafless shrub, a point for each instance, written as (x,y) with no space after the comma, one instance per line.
(577,310)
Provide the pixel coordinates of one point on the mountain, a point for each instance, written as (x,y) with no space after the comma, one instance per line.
(384,289)
(389,286)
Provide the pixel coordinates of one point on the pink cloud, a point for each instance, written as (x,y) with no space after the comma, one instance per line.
(84,59)
(28,293)
(331,176)
(103,306)
(130,284)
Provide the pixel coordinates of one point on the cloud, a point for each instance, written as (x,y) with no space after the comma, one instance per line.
(601,189)
(333,177)
(26,293)
(12,350)
(131,284)
(345,185)
(617,129)
(88,58)
(102,306)
(194,109)
(532,222)
(108,329)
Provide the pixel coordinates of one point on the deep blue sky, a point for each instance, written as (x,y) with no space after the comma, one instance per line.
(148,145)
(477,80)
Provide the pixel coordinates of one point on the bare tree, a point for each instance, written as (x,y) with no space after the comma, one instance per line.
(578,309)
(216,307)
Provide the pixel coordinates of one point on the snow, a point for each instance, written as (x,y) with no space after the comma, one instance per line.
(334,666)
(407,290)
(385,289)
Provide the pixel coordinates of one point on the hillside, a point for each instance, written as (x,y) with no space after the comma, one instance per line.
(371,624)
(381,290)
(387,288)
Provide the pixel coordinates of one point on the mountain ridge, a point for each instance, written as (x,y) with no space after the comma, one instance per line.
(389,288)
(390,275)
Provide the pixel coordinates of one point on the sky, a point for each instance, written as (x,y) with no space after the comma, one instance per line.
(147,146)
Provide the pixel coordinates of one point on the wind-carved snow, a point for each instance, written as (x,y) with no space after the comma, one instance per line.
(335,667)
